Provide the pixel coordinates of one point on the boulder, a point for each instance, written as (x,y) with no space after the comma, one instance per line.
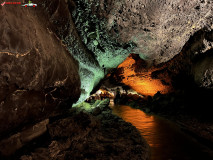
(37,74)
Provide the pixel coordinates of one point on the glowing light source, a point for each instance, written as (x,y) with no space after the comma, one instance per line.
(99,92)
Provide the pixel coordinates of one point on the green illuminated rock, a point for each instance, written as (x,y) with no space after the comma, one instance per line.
(99,48)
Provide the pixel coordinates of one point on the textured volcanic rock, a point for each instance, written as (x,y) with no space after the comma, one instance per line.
(202,68)
(37,73)
(193,65)
(145,81)
(104,32)
(86,39)
(101,34)
(160,28)
(83,136)
(203,72)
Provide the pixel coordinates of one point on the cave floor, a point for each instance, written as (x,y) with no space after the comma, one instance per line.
(81,135)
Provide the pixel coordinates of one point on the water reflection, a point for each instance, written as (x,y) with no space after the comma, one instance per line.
(166,140)
(145,125)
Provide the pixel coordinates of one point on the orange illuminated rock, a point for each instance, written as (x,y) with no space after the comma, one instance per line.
(142,82)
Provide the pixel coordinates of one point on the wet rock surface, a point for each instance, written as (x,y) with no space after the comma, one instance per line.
(84,136)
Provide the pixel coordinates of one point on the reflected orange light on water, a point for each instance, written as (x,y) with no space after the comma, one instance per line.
(141,82)
(166,139)
(144,123)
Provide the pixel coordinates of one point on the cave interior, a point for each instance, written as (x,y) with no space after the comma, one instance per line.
(67,65)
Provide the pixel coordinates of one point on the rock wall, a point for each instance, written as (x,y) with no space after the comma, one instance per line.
(37,74)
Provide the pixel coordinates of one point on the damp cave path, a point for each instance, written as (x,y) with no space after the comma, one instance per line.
(167,141)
